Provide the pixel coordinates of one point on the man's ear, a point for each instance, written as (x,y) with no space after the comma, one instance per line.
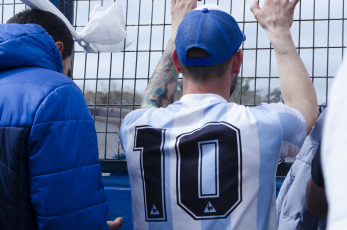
(176,61)
(60,46)
(237,61)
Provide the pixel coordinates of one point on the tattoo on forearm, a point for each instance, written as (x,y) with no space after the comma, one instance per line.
(162,86)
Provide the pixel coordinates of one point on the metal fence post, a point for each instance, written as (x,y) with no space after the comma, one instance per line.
(66,7)
(56,3)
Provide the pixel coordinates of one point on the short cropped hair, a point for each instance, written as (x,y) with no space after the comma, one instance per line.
(203,73)
(54,26)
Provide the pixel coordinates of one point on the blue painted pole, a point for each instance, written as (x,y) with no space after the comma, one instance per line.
(56,3)
(66,7)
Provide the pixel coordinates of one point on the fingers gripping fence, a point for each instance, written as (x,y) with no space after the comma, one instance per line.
(113,83)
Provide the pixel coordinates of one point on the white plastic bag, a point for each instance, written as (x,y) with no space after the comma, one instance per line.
(105,24)
(105,31)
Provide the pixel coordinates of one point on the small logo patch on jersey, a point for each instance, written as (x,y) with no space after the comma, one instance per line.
(154,210)
(209,208)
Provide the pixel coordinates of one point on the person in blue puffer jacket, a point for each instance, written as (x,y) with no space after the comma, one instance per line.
(50,177)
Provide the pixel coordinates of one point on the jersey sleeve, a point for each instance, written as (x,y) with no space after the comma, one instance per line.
(293,126)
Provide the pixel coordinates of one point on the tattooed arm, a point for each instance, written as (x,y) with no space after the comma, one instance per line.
(161,88)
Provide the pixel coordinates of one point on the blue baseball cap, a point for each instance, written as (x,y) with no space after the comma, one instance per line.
(209,28)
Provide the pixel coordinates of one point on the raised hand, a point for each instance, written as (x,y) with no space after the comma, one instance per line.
(161,88)
(179,8)
(275,15)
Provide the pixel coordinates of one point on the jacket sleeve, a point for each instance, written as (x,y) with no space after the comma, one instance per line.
(64,172)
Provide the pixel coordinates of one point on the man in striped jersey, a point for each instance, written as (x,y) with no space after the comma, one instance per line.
(201,162)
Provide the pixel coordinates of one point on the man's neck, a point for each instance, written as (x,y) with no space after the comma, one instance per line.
(215,86)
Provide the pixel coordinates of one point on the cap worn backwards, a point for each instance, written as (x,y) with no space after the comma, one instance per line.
(209,28)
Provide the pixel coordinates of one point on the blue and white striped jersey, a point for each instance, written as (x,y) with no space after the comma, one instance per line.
(204,163)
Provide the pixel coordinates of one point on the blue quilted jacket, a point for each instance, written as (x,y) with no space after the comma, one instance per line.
(50,177)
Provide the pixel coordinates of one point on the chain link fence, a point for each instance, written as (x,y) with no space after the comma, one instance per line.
(113,83)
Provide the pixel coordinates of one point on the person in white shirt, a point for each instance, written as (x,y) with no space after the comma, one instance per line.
(334,151)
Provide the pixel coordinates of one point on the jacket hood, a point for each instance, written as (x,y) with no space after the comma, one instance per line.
(28,45)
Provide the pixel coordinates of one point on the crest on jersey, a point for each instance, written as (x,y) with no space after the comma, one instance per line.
(209,208)
(154,210)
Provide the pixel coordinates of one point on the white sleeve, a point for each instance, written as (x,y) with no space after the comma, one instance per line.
(293,127)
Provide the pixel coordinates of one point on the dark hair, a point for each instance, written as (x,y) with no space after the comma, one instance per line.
(51,23)
(203,73)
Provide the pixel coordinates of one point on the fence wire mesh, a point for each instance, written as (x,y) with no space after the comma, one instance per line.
(113,83)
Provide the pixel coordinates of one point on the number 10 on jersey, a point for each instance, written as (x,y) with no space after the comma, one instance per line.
(208,178)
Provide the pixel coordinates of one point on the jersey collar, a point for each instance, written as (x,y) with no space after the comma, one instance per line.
(201,98)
